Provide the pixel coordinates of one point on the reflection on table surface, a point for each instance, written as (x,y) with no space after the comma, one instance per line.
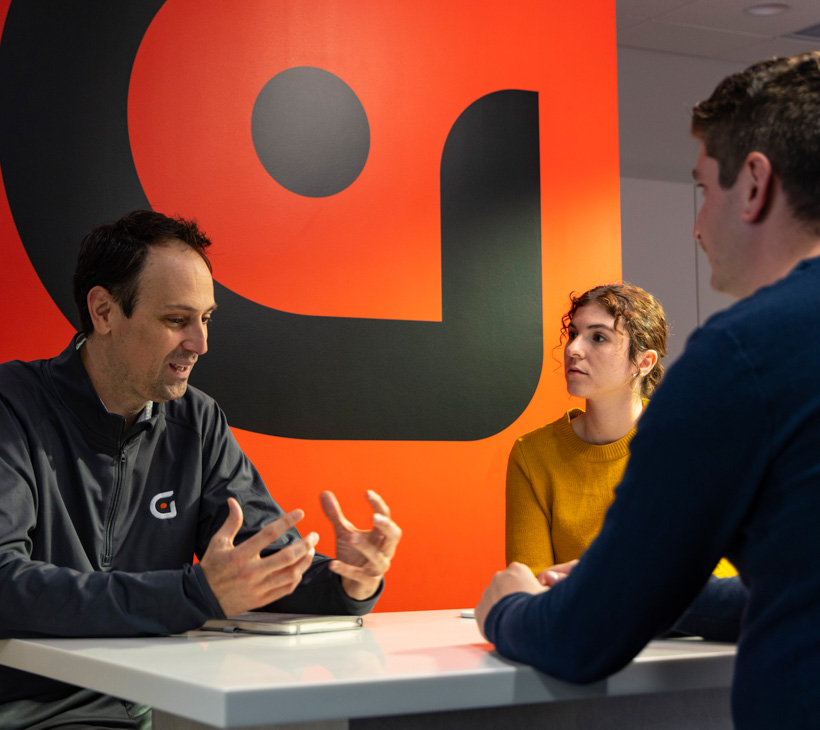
(389,645)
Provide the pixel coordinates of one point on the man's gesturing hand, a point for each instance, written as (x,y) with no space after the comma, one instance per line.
(241,579)
(362,556)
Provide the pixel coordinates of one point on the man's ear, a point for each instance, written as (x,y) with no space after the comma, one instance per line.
(100,308)
(757,178)
(646,361)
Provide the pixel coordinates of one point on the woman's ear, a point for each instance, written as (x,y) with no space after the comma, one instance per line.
(646,361)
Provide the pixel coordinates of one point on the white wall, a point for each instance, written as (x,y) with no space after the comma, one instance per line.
(660,254)
(656,92)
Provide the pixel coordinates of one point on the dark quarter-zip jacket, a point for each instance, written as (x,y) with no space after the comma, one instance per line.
(99,523)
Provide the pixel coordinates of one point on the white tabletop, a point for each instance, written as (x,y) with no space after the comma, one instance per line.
(421,661)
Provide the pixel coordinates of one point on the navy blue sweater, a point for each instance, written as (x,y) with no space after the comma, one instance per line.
(725,461)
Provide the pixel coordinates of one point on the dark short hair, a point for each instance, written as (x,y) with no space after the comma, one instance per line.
(772,107)
(640,315)
(113,256)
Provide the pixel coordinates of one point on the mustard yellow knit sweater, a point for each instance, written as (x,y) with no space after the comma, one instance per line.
(558,491)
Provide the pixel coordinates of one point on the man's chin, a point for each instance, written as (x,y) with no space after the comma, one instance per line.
(171,392)
(720,285)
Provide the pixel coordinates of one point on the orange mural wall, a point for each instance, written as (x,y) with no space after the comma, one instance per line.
(372,250)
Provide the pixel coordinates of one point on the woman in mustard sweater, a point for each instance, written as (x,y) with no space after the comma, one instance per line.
(561,477)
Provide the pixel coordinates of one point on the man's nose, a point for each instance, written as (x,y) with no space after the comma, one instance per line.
(197,339)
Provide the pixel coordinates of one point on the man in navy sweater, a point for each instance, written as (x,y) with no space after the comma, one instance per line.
(726,458)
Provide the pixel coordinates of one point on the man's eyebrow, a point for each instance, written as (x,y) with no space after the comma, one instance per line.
(187,308)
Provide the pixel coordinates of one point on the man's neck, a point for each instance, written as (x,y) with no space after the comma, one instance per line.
(777,261)
(92,357)
(773,243)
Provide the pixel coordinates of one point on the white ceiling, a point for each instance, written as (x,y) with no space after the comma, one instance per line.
(716,29)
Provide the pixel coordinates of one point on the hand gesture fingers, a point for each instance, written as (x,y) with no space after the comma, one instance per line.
(389,531)
(371,575)
(374,558)
(239,577)
(283,571)
(269,533)
(362,556)
(378,545)
(385,534)
(225,535)
(332,510)
(377,503)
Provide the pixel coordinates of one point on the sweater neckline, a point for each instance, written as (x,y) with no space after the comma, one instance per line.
(591,452)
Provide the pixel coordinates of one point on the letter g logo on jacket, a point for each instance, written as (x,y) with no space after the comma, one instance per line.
(162,508)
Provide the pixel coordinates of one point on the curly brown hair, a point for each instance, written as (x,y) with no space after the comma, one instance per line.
(640,315)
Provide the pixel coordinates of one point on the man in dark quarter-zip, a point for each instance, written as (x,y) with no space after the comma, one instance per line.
(114,473)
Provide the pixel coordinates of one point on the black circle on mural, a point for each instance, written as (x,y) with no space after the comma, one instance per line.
(310,131)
